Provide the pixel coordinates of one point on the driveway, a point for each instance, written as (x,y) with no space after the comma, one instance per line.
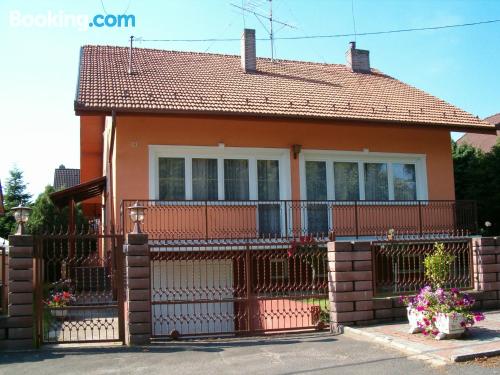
(317,353)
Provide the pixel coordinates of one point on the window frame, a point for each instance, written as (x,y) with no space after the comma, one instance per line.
(329,157)
(252,154)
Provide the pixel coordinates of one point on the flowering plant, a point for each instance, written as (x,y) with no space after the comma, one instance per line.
(306,245)
(60,299)
(60,294)
(430,303)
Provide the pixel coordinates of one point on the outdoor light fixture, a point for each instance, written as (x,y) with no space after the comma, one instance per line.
(21,215)
(136,213)
(487,224)
(296,150)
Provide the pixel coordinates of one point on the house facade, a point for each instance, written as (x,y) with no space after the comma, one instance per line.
(238,158)
(484,142)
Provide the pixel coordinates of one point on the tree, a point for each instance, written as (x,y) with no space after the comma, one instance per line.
(15,194)
(477,177)
(47,217)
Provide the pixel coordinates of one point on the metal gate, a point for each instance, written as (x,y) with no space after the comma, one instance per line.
(238,290)
(79,288)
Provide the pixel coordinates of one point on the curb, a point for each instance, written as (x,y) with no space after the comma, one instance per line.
(390,342)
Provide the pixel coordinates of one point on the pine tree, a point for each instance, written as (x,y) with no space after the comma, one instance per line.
(15,194)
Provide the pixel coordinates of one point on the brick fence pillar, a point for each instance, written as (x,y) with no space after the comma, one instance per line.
(138,290)
(350,283)
(486,261)
(20,321)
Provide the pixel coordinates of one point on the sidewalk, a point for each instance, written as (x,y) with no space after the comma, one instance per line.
(482,340)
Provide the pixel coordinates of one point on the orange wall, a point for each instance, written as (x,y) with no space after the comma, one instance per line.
(91,151)
(135,133)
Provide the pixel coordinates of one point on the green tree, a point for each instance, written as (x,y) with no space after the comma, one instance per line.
(15,194)
(47,217)
(477,177)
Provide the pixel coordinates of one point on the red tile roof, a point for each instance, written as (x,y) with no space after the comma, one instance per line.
(484,142)
(188,82)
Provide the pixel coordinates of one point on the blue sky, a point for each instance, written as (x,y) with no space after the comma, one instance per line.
(38,65)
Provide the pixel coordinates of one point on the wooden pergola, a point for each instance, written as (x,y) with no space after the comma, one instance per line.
(78,193)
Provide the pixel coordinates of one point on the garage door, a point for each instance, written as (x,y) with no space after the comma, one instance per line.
(192,297)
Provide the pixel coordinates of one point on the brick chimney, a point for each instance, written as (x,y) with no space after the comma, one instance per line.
(248,53)
(358,60)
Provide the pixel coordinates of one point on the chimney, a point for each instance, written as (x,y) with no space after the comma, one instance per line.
(248,54)
(358,60)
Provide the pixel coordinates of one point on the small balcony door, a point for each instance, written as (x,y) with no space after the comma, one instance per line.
(268,190)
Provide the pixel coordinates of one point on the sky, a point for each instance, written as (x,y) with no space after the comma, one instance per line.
(39,64)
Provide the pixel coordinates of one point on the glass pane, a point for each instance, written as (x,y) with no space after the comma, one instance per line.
(405,187)
(172,178)
(236,179)
(316,180)
(205,179)
(268,189)
(268,180)
(376,184)
(317,214)
(346,181)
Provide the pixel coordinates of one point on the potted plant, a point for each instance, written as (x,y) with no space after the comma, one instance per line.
(436,311)
(60,296)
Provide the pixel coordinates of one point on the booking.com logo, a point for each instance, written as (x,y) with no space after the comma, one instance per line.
(62,19)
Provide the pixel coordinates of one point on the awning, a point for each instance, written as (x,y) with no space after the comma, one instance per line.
(79,193)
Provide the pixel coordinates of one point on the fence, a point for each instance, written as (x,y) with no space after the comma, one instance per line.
(398,266)
(234,290)
(226,221)
(3,278)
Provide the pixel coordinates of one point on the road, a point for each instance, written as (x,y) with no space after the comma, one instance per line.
(293,354)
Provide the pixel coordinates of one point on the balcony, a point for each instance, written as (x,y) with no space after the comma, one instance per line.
(179,223)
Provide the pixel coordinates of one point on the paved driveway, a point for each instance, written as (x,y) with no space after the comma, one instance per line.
(297,354)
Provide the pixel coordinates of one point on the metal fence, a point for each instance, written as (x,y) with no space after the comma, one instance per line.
(79,287)
(398,266)
(226,221)
(234,290)
(3,278)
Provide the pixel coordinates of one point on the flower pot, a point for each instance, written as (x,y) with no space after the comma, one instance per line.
(414,317)
(449,325)
(59,313)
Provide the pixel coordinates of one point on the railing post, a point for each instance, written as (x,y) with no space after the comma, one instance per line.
(138,293)
(356,218)
(249,287)
(420,218)
(206,220)
(286,218)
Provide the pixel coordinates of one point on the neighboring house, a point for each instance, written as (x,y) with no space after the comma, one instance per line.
(66,177)
(239,152)
(484,142)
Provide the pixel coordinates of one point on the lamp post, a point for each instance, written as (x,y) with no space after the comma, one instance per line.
(21,215)
(136,213)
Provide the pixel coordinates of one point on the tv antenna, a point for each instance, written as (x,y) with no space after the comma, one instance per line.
(272,21)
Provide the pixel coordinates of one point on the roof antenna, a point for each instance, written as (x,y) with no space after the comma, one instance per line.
(271,20)
(130,55)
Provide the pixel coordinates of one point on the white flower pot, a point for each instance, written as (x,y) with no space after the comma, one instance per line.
(449,325)
(59,313)
(414,316)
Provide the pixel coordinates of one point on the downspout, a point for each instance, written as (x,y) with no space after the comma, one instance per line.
(110,171)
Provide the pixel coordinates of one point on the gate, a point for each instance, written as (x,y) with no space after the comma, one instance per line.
(238,290)
(79,288)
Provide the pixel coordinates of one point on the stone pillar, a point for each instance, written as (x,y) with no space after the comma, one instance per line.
(486,261)
(20,321)
(137,312)
(350,283)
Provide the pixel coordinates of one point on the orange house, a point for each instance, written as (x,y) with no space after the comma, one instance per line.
(223,147)
(235,153)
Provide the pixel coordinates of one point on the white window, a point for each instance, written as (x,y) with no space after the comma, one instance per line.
(220,173)
(349,176)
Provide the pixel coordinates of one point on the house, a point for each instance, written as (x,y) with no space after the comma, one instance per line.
(66,177)
(484,142)
(235,157)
